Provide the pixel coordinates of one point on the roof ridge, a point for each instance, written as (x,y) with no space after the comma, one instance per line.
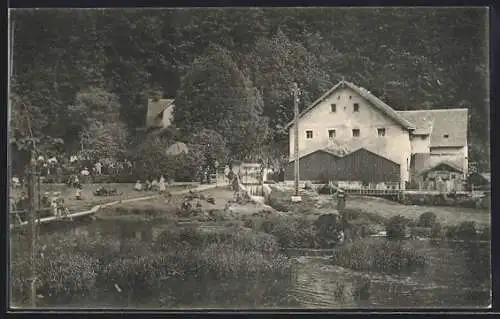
(434,110)
(378,103)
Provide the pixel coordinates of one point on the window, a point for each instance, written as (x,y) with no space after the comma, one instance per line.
(333,107)
(332,133)
(338,97)
(350,97)
(381,131)
(446,136)
(356,107)
(423,137)
(309,134)
(355,132)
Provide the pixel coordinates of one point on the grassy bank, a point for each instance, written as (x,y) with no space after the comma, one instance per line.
(135,269)
(379,255)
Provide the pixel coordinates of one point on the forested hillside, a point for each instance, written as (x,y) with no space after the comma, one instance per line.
(85,75)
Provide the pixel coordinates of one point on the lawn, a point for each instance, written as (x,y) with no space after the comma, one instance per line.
(311,207)
(447,215)
(89,201)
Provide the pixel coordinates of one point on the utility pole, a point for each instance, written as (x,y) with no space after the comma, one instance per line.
(295,89)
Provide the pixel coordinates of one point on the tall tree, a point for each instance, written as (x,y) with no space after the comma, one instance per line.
(278,62)
(216,95)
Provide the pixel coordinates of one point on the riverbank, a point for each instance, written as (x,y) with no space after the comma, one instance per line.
(147,248)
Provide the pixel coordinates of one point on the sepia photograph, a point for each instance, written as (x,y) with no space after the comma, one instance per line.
(249,158)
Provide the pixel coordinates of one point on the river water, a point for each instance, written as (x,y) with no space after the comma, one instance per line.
(457,275)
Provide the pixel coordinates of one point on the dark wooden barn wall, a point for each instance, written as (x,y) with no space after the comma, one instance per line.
(361,165)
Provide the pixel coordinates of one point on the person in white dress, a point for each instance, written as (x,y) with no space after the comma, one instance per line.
(162,186)
(138,186)
(154,184)
(85,175)
(98,168)
(15,182)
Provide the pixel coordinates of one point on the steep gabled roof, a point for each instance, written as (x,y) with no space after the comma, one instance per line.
(375,101)
(450,164)
(447,127)
(155,107)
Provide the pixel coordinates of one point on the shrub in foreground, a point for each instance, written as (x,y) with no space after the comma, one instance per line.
(465,230)
(135,270)
(289,232)
(427,219)
(378,255)
(397,227)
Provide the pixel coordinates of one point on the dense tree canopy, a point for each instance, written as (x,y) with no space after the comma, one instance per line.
(231,69)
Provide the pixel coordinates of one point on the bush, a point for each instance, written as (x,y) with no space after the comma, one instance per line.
(465,230)
(75,267)
(61,277)
(356,214)
(325,189)
(422,232)
(436,231)
(427,219)
(397,227)
(485,233)
(290,232)
(328,230)
(378,255)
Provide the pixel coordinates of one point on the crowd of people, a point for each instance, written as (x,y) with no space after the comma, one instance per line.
(152,184)
(64,165)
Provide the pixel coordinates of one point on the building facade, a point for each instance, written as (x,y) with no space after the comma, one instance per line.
(348,119)
(159,113)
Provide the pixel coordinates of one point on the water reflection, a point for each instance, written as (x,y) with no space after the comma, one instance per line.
(457,275)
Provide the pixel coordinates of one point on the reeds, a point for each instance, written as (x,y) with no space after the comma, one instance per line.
(378,255)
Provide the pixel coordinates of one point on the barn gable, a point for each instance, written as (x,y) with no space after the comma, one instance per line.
(361,165)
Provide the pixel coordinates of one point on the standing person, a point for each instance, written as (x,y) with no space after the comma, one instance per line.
(226,173)
(154,184)
(78,194)
(147,184)
(200,174)
(345,229)
(236,187)
(73,160)
(161,185)
(85,175)
(207,176)
(98,168)
(15,182)
(340,200)
(129,166)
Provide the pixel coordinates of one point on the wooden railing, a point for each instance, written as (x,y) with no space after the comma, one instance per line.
(17,213)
